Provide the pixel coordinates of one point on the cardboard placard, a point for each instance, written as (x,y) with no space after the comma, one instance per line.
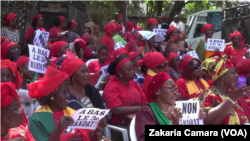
(193,54)
(147,34)
(213,44)
(190,109)
(161,32)
(183,121)
(41,38)
(105,70)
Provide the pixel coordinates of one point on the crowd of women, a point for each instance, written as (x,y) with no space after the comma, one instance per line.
(145,79)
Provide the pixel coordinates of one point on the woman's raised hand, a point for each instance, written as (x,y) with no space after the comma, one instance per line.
(176,115)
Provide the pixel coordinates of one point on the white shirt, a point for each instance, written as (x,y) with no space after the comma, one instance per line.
(179,25)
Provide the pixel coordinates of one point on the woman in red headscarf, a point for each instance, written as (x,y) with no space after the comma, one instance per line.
(128,36)
(58,48)
(83,51)
(118,20)
(11,115)
(107,39)
(190,82)
(151,64)
(152,23)
(10,28)
(60,24)
(89,42)
(135,57)
(10,50)
(72,35)
(37,23)
(237,48)
(173,70)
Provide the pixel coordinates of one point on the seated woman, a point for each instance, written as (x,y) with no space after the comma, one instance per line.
(58,48)
(221,101)
(173,70)
(50,122)
(10,50)
(190,82)
(11,115)
(135,57)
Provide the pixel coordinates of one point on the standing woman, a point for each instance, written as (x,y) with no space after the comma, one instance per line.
(10,50)
(173,70)
(71,26)
(10,28)
(107,39)
(152,23)
(128,36)
(135,57)
(118,20)
(190,82)
(60,23)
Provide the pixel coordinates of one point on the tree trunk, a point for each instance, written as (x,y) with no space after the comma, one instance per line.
(159,8)
(178,5)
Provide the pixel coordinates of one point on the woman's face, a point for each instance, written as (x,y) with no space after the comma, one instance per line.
(64,25)
(40,22)
(236,40)
(127,71)
(61,97)
(26,72)
(102,55)
(120,20)
(136,60)
(81,76)
(209,32)
(197,69)
(161,68)
(175,62)
(11,116)
(176,33)
(168,92)
(152,26)
(13,53)
(7,75)
(14,23)
(230,78)
(63,50)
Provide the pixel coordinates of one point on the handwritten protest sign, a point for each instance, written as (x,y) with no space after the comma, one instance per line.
(161,32)
(193,54)
(37,59)
(105,70)
(190,109)
(213,44)
(41,38)
(87,118)
(183,121)
(147,34)
(118,45)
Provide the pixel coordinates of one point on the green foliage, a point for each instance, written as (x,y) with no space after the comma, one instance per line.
(143,25)
(3,13)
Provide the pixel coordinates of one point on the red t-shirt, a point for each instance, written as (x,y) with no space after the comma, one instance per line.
(230,51)
(30,31)
(87,54)
(128,36)
(54,31)
(145,85)
(95,66)
(109,42)
(117,94)
(71,134)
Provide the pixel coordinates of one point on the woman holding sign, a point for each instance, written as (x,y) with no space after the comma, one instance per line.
(50,122)
(221,101)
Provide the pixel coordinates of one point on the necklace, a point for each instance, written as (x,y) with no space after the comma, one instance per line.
(166,112)
(76,92)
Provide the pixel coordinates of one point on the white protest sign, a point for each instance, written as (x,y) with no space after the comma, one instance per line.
(190,109)
(72,47)
(105,70)
(213,44)
(123,29)
(147,34)
(161,32)
(181,56)
(87,118)
(190,121)
(37,59)
(118,45)
(41,38)
(193,54)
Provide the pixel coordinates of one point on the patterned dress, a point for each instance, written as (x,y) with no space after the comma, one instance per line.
(139,79)
(12,35)
(18,134)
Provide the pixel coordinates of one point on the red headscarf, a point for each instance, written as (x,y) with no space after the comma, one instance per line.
(119,16)
(119,65)
(137,40)
(185,61)
(152,59)
(44,87)
(164,17)
(133,55)
(86,38)
(206,26)
(56,46)
(118,28)
(73,25)
(109,28)
(172,28)
(22,60)
(118,52)
(152,20)
(36,17)
(131,46)
(5,47)
(82,43)
(3,39)
(156,82)
(237,33)
(8,94)
(129,26)
(62,19)
(243,67)
(171,56)
(70,65)
(13,67)
(8,18)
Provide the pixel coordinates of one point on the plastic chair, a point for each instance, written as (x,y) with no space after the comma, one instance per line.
(132,133)
(87,63)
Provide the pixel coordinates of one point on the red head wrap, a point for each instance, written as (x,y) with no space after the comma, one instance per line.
(171,56)
(119,16)
(86,38)
(8,18)
(70,65)
(5,47)
(243,67)
(13,67)
(152,20)
(22,60)
(156,82)
(129,26)
(44,87)
(164,17)
(109,28)
(237,33)
(118,52)
(172,28)
(82,43)
(8,94)
(3,39)
(73,24)
(119,65)
(118,28)
(62,19)
(206,26)
(152,59)
(133,55)
(56,46)
(36,17)
(185,61)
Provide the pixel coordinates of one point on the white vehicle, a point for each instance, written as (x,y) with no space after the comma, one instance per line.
(196,21)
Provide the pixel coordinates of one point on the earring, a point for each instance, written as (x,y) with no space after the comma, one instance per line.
(52,98)
(121,76)
(22,73)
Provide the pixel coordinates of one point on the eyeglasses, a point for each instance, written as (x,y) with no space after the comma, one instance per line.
(197,66)
(171,88)
(19,111)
